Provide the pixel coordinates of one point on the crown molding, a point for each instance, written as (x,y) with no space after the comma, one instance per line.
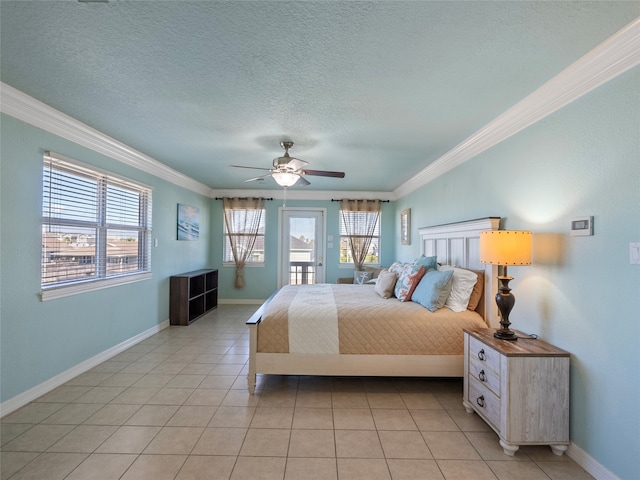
(19,105)
(616,55)
(304,195)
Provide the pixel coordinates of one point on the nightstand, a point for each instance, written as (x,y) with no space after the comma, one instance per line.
(520,388)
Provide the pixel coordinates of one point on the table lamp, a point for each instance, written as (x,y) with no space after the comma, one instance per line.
(504,248)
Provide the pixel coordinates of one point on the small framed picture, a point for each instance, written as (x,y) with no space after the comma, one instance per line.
(405,227)
(188,222)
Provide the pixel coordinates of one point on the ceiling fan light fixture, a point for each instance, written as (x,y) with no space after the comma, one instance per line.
(285,179)
(288,171)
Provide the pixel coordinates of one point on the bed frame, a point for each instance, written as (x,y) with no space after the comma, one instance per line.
(454,244)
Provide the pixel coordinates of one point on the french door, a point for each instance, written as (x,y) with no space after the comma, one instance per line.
(302,247)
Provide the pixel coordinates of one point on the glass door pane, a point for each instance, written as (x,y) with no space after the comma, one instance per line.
(303,247)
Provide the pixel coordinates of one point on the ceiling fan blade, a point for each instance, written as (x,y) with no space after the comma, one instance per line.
(296,164)
(258,178)
(292,163)
(322,173)
(253,168)
(303,182)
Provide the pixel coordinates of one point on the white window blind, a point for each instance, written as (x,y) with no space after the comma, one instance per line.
(95,225)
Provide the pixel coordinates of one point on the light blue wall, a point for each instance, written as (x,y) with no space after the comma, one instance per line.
(581,293)
(263,281)
(42,339)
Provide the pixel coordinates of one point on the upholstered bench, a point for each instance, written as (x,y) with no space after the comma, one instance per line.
(373,273)
(344,280)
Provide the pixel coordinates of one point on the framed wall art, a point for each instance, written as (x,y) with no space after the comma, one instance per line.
(188,222)
(405,227)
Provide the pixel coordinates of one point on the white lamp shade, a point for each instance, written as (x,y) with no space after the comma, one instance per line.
(285,179)
(505,247)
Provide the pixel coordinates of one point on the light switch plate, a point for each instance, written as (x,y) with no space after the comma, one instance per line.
(634,253)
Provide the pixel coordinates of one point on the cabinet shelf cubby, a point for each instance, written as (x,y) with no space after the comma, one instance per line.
(191,295)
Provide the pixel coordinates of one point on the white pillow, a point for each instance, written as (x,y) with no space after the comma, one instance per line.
(386,284)
(461,288)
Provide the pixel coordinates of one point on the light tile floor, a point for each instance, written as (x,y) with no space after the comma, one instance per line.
(176,407)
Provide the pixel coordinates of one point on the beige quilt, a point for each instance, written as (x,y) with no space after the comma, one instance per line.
(353,319)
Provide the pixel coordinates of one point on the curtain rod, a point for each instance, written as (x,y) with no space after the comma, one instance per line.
(245,198)
(340,199)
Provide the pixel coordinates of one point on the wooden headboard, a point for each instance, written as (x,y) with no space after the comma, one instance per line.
(458,244)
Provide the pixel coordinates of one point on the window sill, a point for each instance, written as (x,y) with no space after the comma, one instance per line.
(77,288)
(246,265)
(350,265)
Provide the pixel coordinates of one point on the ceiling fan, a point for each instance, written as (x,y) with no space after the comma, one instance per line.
(288,171)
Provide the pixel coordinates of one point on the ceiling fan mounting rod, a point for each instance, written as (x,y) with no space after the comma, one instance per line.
(286,144)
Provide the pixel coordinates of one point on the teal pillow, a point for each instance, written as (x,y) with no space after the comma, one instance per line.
(433,289)
(429,263)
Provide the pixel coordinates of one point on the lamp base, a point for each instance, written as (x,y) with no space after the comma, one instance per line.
(505,334)
(505,301)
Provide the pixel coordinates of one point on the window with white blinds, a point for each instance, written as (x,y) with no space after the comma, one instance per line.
(364,218)
(96,226)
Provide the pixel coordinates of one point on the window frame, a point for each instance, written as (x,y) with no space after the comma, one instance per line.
(226,248)
(344,237)
(106,185)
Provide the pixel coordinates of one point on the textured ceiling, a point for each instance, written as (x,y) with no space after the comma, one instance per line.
(378,90)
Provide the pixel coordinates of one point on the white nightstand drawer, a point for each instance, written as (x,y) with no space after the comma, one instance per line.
(485,402)
(484,354)
(484,375)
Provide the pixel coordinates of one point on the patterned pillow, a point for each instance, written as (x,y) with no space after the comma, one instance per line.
(396,267)
(430,263)
(407,281)
(361,277)
(373,271)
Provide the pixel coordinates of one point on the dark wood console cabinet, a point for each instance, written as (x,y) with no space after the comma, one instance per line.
(191,295)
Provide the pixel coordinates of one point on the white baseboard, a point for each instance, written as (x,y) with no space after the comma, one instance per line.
(587,462)
(24,398)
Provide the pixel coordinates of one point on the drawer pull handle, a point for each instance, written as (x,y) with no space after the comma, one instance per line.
(482,376)
(481,355)
(480,401)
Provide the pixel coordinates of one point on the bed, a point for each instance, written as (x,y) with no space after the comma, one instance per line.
(350,330)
